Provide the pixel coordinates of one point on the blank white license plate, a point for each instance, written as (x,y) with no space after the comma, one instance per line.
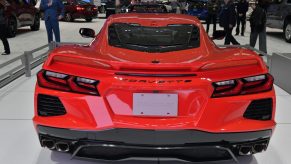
(155,104)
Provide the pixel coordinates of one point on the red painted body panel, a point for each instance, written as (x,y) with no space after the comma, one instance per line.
(113,108)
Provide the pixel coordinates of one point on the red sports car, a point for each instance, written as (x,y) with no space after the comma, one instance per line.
(154,85)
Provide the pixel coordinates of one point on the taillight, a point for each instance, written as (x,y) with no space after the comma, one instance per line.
(257,84)
(53,80)
(63,82)
(83,85)
(80,8)
(247,85)
(94,8)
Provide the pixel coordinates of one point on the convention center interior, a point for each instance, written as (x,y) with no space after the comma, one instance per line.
(145,81)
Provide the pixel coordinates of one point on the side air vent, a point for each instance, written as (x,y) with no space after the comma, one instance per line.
(49,106)
(260,110)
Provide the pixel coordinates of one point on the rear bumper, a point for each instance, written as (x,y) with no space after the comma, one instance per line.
(154,137)
(120,144)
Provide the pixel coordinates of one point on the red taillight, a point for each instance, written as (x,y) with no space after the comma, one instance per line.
(94,8)
(83,85)
(63,82)
(53,80)
(80,8)
(248,85)
(257,84)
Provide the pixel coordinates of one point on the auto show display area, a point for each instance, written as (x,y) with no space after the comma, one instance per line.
(18,139)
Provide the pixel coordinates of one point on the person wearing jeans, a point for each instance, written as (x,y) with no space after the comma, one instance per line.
(227,20)
(213,9)
(258,27)
(3,33)
(242,8)
(52,17)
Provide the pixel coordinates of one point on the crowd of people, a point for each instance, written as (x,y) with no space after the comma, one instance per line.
(230,15)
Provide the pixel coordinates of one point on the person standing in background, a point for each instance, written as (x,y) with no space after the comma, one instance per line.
(227,20)
(241,8)
(213,9)
(3,35)
(52,16)
(258,27)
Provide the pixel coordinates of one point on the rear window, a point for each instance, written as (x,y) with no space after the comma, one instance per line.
(148,9)
(154,39)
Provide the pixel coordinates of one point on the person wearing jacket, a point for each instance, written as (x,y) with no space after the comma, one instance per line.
(213,9)
(258,27)
(52,16)
(3,35)
(241,8)
(227,20)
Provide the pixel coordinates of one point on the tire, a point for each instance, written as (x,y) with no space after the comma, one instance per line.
(287,32)
(68,17)
(88,19)
(36,24)
(11,27)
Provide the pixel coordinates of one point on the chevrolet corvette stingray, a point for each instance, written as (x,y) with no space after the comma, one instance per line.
(154,85)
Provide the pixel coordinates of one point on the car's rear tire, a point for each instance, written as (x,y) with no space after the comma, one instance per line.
(11,27)
(36,24)
(88,19)
(68,17)
(287,31)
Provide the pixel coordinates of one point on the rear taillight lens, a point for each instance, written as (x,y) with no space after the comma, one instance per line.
(247,85)
(94,8)
(80,8)
(257,84)
(63,82)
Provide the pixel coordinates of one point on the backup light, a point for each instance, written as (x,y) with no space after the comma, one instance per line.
(228,82)
(56,75)
(85,80)
(255,78)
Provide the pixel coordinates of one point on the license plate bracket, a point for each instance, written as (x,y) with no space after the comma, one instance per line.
(155,104)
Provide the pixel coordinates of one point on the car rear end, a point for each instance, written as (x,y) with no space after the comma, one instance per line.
(85,10)
(184,104)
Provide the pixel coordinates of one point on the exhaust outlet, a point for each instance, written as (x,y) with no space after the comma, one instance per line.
(62,147)
(257,148)
(245,150)
(50,144)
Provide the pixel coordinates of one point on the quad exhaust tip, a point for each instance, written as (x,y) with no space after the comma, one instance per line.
(252,149)
(257,148)
(245,150)
(50,144)
(62,147)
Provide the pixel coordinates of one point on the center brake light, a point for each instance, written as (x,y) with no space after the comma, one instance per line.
(63,82)
(242,86)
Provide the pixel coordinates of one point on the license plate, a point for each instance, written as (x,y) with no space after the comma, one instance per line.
(155,104)
(88,9)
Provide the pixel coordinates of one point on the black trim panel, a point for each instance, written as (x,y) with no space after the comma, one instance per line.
(153,75)
(153,137)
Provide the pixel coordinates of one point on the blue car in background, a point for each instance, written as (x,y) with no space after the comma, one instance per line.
(198,8)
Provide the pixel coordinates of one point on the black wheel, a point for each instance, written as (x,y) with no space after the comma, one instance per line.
(88,19)
(68,17)
(287,32)
(12,27)
(36,24)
